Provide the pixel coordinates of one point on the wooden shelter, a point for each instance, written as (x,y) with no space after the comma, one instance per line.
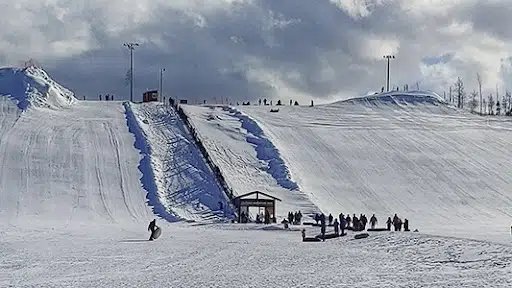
(268,202)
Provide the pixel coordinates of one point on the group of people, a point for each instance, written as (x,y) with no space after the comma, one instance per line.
(355,223)
(294,218)
(397,223)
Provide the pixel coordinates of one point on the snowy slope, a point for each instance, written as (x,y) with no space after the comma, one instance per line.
(75,199)
(65,163)
(246,158)
(76,166)
(411,154)
(178,176)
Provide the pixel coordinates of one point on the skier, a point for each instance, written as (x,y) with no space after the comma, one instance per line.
(348,220)
(373,221)
(330,219)
(406,225)
(152,227)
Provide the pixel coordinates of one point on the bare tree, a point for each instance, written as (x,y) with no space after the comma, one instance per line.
(484,104)
(459,90)
(479,79)
(491,104)
(509,105)
(504,102)
(473,102)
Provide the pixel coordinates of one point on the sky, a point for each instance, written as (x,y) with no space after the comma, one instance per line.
(244,50)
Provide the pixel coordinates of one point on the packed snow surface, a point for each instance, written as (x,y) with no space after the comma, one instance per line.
(81,180)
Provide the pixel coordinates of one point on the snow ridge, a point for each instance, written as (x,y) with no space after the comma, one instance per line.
(33,87)
(398,98)
(148,176)
(265,149)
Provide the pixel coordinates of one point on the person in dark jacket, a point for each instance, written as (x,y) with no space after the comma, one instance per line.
(373,221)
(323,224)
(343,225)
(336,225)
(152,227)
(388,223)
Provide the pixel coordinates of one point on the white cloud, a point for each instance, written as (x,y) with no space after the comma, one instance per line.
(249,48)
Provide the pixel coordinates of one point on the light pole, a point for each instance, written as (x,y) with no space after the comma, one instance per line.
(387,80)
(131,46)
(161,83)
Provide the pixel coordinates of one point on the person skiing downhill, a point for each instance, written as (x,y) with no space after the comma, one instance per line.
(152,227)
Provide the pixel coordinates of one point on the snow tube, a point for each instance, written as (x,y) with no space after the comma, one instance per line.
(308,223)
(310,239)
(328,236)
(377,229)
(361,236)
(156,233)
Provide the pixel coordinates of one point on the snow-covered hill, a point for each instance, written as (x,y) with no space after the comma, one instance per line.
(80,180)
(408,153)
(32,87)
(70,162)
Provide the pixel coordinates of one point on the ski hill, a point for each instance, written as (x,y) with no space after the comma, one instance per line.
(409,153)
(80,181)
(92,162)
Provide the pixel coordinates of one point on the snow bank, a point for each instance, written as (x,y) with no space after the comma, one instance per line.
(179,183)
(266,151)
(148,179)
(33,87)
(398,98)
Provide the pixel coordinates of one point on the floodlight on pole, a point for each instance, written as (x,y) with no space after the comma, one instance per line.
(387,78)
(131,46)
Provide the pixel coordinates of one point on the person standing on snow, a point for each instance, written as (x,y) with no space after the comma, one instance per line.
(322,223)
(336,227)
(152,227)
(389,223)
(343,225)
(330,219)
(373,221)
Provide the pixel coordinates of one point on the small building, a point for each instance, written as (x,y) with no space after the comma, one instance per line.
(150,96)
(260,200)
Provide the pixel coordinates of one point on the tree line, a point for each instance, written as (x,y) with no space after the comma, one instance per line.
(488,105)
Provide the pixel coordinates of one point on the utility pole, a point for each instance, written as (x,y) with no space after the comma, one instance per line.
(161,83)
(388,57)
(131,46)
